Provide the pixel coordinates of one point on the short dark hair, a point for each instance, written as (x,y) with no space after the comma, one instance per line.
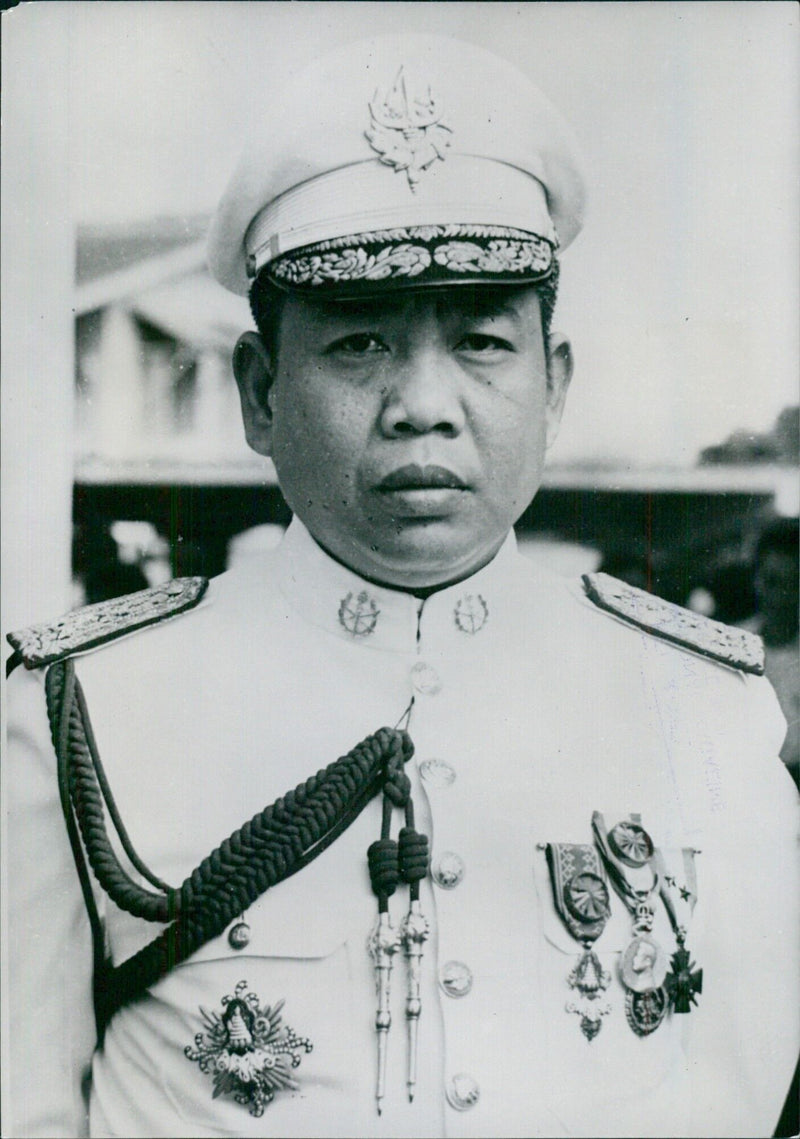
(267,300)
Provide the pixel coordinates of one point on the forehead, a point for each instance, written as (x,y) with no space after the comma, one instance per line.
(467,302)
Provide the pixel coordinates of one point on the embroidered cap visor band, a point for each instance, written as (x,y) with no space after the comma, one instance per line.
(419,255)
(470,200)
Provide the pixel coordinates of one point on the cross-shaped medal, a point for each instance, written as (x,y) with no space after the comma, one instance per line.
(684,982)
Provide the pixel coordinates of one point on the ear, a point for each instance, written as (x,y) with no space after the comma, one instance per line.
(559,374)
(252,367)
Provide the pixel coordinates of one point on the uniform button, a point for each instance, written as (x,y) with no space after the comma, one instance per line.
(455,978)
(239,936)
(448,870)
(425,679)
(462,1091)
(437,773)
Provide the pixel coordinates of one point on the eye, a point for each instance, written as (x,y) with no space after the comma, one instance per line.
(480,343)
(358,344)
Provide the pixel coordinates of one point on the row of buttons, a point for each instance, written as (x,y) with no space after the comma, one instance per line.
(447,871)
(425,679)
(448,868)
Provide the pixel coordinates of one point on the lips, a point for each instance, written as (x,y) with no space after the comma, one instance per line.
(415,477)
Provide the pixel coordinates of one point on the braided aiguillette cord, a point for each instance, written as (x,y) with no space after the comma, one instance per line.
(274,844)
(389,862)
(415,931)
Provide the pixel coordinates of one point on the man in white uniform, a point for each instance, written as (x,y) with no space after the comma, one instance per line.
(556,893)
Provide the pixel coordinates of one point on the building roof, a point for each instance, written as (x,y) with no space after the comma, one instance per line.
(102,250)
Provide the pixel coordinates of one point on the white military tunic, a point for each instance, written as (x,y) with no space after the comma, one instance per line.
(529,709)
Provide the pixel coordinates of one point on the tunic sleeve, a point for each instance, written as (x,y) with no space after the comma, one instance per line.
(50,1016)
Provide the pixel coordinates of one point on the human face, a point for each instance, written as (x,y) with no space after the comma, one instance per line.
(408,432)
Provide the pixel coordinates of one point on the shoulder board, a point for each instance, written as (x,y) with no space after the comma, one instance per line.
(97,624)
(734,647)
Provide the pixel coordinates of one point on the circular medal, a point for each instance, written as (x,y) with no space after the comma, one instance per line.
(645,1011)
(586,896)
(631,844)
(644,965)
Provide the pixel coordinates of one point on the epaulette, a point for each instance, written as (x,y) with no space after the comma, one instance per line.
(734,647)
(104,621)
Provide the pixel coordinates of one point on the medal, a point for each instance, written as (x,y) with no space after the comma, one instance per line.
(645,1011)
(644,966)
(683,982)
(644,962)
(247,1050)
(582,900)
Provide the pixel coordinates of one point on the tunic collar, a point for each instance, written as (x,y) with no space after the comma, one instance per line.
(354,610)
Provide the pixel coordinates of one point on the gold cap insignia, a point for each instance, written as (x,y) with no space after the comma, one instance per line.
(406,128)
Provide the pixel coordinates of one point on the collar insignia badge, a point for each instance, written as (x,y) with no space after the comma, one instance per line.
(471,613)
(406,128)
(358,615)
(248,1050)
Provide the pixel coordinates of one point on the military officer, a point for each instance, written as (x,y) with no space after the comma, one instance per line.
(551,891)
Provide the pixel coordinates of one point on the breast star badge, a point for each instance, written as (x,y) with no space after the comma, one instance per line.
(248,1050)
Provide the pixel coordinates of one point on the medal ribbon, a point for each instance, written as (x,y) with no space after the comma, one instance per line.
(566,862)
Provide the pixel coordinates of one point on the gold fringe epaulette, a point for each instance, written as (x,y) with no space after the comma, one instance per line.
(734,647)
(94,625)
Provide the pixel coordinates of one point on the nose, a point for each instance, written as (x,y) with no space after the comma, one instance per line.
(423,397)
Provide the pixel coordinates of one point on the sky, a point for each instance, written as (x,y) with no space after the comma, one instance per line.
(681,296)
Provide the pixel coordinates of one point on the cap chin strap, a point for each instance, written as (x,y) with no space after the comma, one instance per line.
(274,844)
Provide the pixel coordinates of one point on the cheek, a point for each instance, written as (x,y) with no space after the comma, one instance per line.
(516,442)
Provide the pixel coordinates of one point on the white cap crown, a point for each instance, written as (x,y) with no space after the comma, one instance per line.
(401,160)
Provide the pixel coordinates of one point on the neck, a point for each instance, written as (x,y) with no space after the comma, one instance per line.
(420,591)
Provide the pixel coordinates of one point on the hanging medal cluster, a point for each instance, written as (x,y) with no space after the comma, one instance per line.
(654,983)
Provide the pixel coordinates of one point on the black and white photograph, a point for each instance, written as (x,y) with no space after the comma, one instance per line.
(400,495)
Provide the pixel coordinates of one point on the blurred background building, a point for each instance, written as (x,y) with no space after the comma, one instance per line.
(159,442)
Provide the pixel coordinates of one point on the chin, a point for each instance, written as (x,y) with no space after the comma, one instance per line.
(421,556)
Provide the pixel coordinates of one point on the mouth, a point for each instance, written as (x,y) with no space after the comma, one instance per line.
(414,477)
